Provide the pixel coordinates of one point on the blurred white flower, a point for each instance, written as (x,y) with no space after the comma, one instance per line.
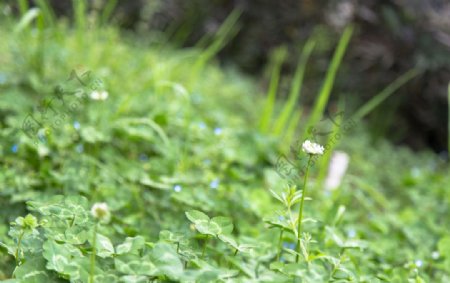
(312,148)
(435,255)
(101,212)
(99,95)
(336,170)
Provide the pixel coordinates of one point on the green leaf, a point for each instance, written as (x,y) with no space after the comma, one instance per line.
(196,216)
(170,237)
(58,256)
(134,279)
(104,246)
(167,261)
(134,265)
(33,271)
(205,225)
(131,245)
(224,223)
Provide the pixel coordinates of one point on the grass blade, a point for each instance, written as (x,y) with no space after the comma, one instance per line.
(226,31)
(385,93)
(23,7)
(79,8)
(47,12)
(324,94)
(291,130)
(27,19)
(279,56)
(107,11)
(296,87)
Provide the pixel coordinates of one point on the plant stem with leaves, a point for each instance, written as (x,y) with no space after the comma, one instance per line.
(94,251)
(300,211)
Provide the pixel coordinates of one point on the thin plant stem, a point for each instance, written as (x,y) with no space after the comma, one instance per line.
(300,211)
(19,242)
(94,251)
(280,245)
(204,246)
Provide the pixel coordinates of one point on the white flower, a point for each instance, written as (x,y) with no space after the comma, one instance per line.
(435,255)
(101,212)
(99,95)
(312,148)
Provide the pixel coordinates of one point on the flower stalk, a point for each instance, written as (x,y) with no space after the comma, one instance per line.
(300,211)
(311,149)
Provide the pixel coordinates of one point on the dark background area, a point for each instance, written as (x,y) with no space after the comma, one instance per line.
(392,36)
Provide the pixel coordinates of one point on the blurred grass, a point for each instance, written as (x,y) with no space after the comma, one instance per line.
(163,127)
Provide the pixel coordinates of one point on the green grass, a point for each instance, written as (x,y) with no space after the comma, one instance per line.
(185,169)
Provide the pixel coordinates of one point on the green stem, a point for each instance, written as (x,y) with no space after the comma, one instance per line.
(94,251)
(300,211)
(280,245)
(19,242)
(204,246)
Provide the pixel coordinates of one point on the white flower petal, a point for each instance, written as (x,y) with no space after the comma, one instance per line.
(312,148)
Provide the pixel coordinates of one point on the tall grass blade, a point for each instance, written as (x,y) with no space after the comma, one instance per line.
(324,94)
(27,19)
(448,101)
(107,11)
(296,87)
(79,8)
(385,93)
(23,7)
(291,130)
(47,12)
(279,56)
(226,31)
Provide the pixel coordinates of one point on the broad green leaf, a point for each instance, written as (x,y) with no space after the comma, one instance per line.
(134,265)
(134,279)
(196,216)
(58,256)
(33,271)
(170,237)
(167,261)
(224,223)
(131,245)
(104,246)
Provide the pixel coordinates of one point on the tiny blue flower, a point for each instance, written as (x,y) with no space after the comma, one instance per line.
(79,148)
(418,263)
(143,157)
(76,125)
(286,244)
(177,188)
(202,125)
(281,217)
(207,162)
(15,148)
(292,246)
(351,233)
(217,131)
(214,184)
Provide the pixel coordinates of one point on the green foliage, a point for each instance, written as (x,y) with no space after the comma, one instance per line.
(165,145)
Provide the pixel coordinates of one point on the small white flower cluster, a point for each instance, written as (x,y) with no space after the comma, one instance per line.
(312,148)
(99,95)
(100,211)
